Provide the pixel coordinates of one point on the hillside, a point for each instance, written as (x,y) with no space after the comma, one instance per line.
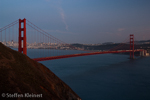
(20,75)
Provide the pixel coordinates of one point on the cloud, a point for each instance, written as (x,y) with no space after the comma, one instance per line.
(121,29)
(59,31)
(61,11)
(57,4)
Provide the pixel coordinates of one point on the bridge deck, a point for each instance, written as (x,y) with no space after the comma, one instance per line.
(83,54)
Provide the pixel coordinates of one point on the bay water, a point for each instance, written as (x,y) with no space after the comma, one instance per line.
(103,77)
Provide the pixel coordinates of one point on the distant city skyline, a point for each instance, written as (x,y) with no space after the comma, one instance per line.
(82,21)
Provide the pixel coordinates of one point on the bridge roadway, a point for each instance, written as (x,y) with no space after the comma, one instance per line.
(84,54)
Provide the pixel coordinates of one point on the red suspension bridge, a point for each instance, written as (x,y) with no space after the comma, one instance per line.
(30,36)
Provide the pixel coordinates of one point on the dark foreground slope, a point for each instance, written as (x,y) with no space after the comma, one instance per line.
(20,75)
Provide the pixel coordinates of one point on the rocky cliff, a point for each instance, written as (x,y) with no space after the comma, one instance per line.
(23,78)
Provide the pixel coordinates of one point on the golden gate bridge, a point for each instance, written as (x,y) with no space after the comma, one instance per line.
(28,35)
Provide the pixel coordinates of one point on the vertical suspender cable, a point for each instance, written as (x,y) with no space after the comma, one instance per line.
(5,36)
(1,35)
(43,45)
(50,48)
(9,34)
(13,33)
(40,43)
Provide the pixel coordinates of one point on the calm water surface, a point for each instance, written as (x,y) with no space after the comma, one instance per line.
(105,76)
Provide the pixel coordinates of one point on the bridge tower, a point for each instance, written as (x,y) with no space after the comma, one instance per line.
(22,36)
(132,46)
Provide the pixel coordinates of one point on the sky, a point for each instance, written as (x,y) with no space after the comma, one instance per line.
(82,21)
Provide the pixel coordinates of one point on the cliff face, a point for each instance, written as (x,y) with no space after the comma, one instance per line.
(20,75)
